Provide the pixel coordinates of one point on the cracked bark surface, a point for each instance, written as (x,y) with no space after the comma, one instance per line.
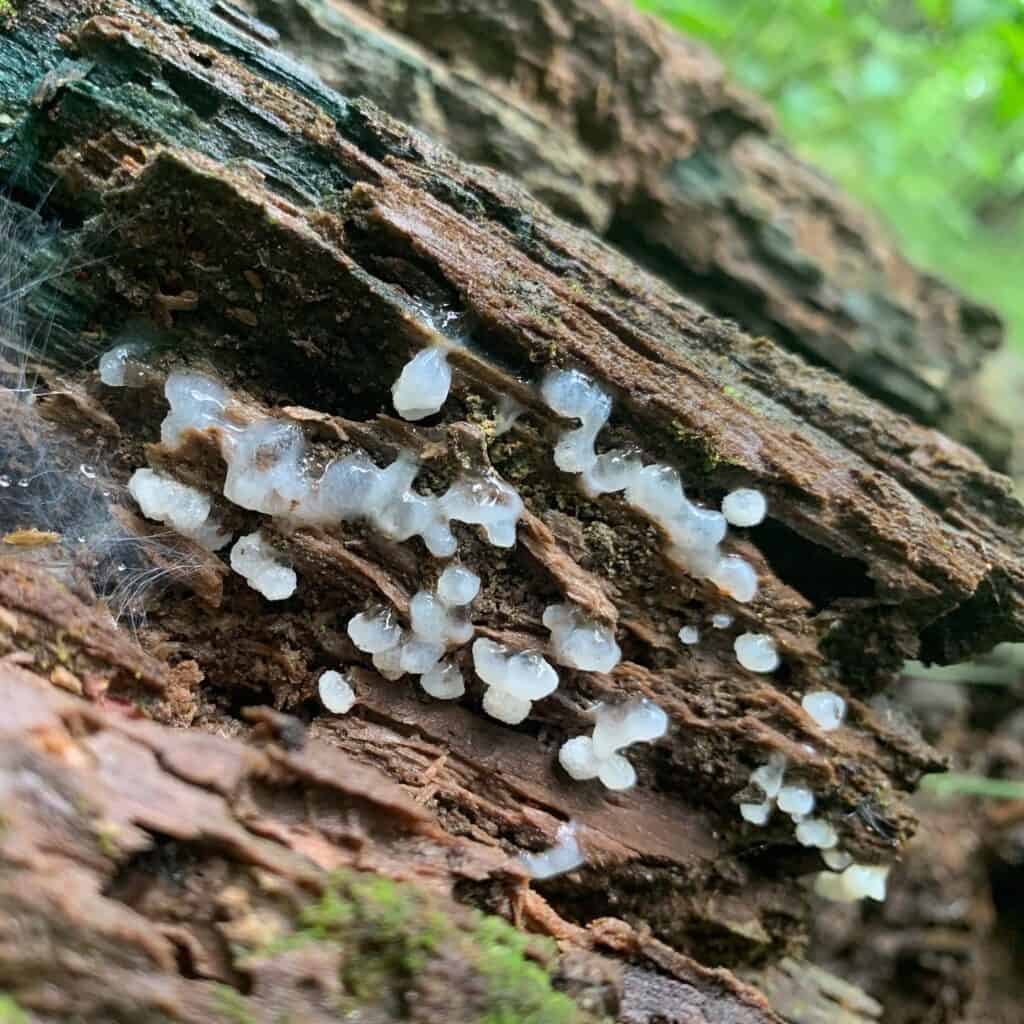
(288,240)
(628,129)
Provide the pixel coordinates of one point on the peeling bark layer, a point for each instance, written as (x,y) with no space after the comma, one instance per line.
(622,126)
(290,241)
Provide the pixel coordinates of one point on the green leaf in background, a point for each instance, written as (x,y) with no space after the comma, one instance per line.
(915,106)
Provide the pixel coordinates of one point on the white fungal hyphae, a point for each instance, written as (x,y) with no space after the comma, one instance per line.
(721,621)
(856,882)
(689,635)
(268,472)
(816,832)
(744,507)
(694,533)
(513,681)
(827,709)
(422,386)
(796,801)
(508,411)
(599,755)
(256,560)
(336,692)
(756,652)
(122,366)
(185,509)
(564,856)
(578,641)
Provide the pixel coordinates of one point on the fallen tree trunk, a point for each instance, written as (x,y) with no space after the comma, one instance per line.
(295,244)
(621,125)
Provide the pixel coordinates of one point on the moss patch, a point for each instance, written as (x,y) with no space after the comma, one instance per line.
(10,1011)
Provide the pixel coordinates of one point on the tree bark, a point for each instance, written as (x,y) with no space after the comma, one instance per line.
(288,239)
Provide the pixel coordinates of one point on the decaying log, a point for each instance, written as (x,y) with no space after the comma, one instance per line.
(621,125)
(293,243)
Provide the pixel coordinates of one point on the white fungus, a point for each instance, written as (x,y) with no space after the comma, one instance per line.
(256,560)
(756,652)
(122,366)
(375,631)
(768,777)
(816,832)
(564,856)
(185,509)
(744,507)
(721,621)
(795,801)
(268,472)
(827,709)
(578,641)
(694,533)
(837,860)
(856,882)
(508,411)
(513,681)
(444,681)
(457,586)
(616,727)
(689,635)
(422,386)
(336,692)
(756,814)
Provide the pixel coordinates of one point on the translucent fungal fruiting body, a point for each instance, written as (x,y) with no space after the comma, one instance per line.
(514,681)
(694,533)
(578,641)
(422,386)
(756,814)
(376,631)
(509,410)
(795,801)
(444,681)
(564,856)
(457,586)
(598,756)
(744,507)
(815,832)
(256,560)
(183,508)
(689,635)
(122,366)
(856,882)
(721,621)
(268,472)
(756,652)
(827,709)
(837,860)
(769,776)
(335,692)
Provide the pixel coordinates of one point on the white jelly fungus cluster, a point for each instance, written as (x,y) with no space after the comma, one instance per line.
(438,622)
(185,509)
(694,533)
(253,558)
(689,635)
(599,756)
(422,386)
(853,882)
(564,856)
(122,366)
(796,801)
(578,641)
(336,692)
(721,620)
(756,652)
(268,472)
(827,709)
(514,680)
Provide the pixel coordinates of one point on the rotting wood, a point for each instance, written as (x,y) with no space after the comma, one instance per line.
(308,234)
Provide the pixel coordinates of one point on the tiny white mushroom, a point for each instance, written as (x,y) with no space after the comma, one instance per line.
(689,635)
(744,507)
(826,708)
(756,652)
(336,692)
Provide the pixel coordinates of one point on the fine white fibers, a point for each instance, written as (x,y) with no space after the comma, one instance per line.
(335,692)
(689,635)
(827,709)
(744,507)
(721,621)
(856,882)
(598,756)
(564,856)
(578,641)
(255,559)
(756,652)
(122,366)
(422,386)
(694,533)
(815,832)
(268,472)
(185,509)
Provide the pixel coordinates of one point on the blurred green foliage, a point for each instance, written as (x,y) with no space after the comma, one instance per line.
(915,106)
